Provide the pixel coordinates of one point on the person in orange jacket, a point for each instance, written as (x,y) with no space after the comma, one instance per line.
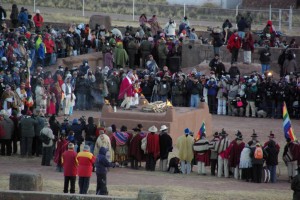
(85,167)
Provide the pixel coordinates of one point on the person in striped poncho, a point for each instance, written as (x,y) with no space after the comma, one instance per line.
(222,145)
(201,148)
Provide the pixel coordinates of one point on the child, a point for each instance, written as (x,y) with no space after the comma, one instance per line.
(101,170)
(62,146)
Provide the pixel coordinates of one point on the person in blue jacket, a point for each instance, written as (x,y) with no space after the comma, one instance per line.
(101,170)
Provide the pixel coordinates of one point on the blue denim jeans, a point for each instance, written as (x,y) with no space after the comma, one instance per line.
(163,98)
(272,169)
(265,67)
(195,99)
(241,34)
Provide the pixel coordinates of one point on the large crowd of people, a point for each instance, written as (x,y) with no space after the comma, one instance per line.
(137,63)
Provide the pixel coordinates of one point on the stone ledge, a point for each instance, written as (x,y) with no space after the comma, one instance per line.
(26,195)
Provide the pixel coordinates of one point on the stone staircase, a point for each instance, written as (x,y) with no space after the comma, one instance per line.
(262,4)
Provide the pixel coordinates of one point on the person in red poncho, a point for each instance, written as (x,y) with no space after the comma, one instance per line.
(235,149)
(126,91)
(135,152)
(152,149)
(62,146)
(234,45)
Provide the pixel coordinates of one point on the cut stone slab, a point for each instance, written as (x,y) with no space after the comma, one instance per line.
(26,182)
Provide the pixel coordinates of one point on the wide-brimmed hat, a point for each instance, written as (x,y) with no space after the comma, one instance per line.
(163,127)
(152,129)
(216,134)
(272,136)
(223,133)
(254,135)
(238,133)
(239,137)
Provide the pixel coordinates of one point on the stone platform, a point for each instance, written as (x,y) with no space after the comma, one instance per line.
(176,118)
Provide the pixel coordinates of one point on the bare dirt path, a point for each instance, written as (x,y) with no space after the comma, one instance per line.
(126,182)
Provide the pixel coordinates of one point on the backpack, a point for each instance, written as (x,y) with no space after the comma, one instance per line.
(258,154)
(45,139)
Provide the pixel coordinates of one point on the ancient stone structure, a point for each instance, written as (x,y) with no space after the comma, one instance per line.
(176,118)
(100,19)
(25,181)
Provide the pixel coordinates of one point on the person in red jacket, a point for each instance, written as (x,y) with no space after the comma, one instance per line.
(49,44)
(70,163)
(234,44)
(38,20)
(85,167)
(152,149)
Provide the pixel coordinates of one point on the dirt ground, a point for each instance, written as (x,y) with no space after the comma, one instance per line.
(126,182)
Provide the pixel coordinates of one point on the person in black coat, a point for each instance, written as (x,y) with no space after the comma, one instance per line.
(165,145)
(77,128)
(272,159)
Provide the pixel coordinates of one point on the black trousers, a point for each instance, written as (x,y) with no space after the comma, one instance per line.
(213,166)
(26,146)
(134,163)
(234,55)
(101,185)
(257,172)
(47,155)
(247,174)
(71,180)
(212,104)
(37,146)
(150,162)
(6,148)
(84,183)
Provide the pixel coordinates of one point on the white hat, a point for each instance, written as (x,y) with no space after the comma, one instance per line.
(4,59)
(152,129)
(163,127)
(37,11)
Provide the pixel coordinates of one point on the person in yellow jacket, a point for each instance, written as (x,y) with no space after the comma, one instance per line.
(185,151)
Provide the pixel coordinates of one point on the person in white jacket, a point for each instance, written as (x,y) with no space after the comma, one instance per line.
(170,28)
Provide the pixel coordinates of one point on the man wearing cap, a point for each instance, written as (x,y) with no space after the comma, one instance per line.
(135,151)
(47,148)
(213,153)
(223,155)
(201,148)
(272,138)
(70,163)
(85,167)
(152,148)
(235,149)
(27,128)
(184,145)
(165,145)
(295,186)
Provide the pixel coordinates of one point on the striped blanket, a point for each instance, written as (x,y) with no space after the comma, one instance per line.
(121,138)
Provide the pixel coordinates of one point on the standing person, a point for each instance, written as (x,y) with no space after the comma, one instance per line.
(155,27)
(295,186)
(23,17)
(217,40)
(272,159)
(246,162)
(27,126)
(162,50)
(170,28)
(201,148)
(248,19)
(6,127)
(85,167)
(135,151)
(212,88)
(222,96)
(290,158)
(104,141)
(265,59)
(38,20)
(257,163)
(70,163)
(242,25)
(101,170)
(234,45)
(185,151)
(14,15)
(236,148)
(90,134)
(223,144)
(248,47)
(67,90)
(152,148)
(47,148)
(165,146)
(195,88)
(214,154)
(121,140)
(62,146)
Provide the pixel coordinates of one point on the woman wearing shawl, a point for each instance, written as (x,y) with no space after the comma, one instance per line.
(121,138)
